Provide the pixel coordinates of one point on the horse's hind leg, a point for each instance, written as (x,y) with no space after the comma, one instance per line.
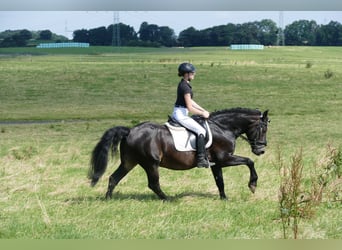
(115,178)
(153,180)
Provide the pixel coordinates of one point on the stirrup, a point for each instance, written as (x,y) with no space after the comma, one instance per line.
(206,164)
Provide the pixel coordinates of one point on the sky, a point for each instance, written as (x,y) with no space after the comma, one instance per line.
(65,22)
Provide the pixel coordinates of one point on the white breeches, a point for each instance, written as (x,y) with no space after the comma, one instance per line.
(181,114)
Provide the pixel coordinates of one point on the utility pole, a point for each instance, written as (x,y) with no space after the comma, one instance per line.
(116,30)
(66,30)
(281,35)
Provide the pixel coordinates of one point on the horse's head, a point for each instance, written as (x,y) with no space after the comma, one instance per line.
(256,134)
(250,122)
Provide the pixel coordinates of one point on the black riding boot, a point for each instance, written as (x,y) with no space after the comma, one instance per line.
(202,161)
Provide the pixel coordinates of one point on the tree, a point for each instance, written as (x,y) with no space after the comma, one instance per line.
(155,35)
(98,36)
(330,34)
(246,33)
(8,42)
(301,32)
(45,35)
(188,37)
(267,32)
(167,36)
(230,31)
(81,36)
(25,35)
(148,32)
(18,39)
(127,33)
(217,36)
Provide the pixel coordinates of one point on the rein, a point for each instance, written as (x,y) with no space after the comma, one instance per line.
(254,142)
(245,138)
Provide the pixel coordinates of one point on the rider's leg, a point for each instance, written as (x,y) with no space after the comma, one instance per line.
(181,116)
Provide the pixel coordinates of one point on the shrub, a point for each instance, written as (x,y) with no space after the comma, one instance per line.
(328,74)
(308,65)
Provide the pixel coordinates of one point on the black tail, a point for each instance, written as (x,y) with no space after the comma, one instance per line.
(99,159)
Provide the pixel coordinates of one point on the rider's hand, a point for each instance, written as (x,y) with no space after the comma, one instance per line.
(205,114)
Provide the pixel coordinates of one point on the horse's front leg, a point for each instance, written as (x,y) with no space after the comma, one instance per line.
(217,172)
(235,160)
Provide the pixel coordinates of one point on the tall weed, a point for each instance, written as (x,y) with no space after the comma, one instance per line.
(328,177)
(298,201)
(293,207)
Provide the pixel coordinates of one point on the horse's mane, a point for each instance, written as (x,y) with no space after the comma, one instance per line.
(238,110)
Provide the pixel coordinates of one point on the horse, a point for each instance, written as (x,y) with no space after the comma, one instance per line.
(151,146)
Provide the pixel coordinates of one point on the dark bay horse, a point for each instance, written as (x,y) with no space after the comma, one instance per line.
(150,145)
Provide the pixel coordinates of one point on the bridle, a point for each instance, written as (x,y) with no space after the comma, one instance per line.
(256,142)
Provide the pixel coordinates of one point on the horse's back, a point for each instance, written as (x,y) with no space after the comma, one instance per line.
(152,143)
(146,135)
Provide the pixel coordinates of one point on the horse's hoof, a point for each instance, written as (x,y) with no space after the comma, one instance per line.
(108,196)
(164,199)
(224,198)
(252,188)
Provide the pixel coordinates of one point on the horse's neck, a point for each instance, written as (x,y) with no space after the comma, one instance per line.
(233,123)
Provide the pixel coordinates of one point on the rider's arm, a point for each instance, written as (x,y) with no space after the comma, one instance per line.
(194,108)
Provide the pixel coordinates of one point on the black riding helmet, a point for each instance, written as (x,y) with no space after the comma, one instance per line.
(184,68)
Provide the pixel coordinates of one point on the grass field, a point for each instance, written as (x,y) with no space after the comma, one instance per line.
(44,192)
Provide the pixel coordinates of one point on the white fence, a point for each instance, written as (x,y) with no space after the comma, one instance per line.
(246,46)
(62,45)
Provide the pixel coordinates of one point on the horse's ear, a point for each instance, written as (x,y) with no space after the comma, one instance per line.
(264,115)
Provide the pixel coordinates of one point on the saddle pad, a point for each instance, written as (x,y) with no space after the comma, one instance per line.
(184,140)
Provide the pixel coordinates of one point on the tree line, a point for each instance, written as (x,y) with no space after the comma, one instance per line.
(23,38)
(266,32)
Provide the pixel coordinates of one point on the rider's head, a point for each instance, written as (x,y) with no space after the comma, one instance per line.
(185,68)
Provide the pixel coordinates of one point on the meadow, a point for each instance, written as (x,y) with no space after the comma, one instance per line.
(57,103)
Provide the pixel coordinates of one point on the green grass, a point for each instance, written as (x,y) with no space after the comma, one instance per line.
(45,193)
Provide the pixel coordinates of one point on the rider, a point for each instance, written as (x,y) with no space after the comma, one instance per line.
(185,104)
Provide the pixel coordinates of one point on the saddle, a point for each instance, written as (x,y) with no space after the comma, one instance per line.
(183,138)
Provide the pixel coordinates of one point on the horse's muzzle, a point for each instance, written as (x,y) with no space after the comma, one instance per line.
(258,150)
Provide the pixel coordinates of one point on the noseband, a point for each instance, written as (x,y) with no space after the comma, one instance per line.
(255,142)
